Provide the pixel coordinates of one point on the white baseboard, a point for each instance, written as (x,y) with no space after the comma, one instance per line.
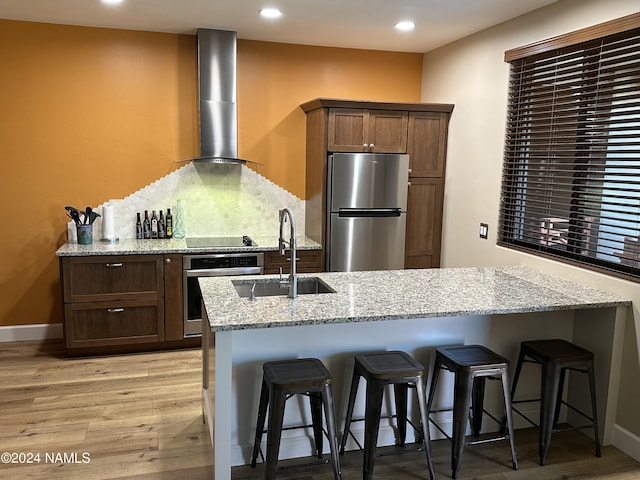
(20,333)
(626,441)
(299,445)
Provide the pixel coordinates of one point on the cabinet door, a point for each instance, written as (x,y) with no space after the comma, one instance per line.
(124,322)
(427,143)
(387,131)
(424,223)
(103,278)
(359,130)
(173,301)
(346,130)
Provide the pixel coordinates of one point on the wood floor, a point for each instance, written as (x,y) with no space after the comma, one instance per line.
(139,417)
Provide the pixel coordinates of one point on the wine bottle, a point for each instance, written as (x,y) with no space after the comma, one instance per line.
(138,227)
(169,222)
(161,227)
(154,224)
(146,226)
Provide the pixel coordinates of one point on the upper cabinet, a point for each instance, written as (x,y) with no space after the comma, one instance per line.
(362,130)
(427,143)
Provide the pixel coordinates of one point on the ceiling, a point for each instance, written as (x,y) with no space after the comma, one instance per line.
(364,24)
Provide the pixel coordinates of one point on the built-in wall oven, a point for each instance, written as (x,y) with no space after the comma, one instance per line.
(218,265)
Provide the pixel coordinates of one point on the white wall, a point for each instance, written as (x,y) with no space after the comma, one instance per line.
(472,74)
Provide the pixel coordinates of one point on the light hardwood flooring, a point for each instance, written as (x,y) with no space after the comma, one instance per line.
(139,417)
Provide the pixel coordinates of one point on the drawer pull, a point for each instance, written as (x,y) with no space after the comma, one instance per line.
(115,310)
(114,265)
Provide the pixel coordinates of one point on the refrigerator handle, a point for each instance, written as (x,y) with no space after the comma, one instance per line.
(369,212)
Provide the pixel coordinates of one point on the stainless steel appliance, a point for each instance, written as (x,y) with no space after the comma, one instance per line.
(366,209)
(212,265)
(217,92)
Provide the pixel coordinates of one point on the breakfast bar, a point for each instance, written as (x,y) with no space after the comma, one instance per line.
(410,310)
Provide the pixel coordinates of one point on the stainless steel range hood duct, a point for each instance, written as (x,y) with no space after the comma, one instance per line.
(217,97)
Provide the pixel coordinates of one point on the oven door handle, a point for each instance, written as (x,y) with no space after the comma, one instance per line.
(224,272)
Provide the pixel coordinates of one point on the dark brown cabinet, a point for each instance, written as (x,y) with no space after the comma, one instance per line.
(113,300)
(173,301)
(424,223)
(126,303)
(309,261)
(427,143)
(122,322)
(427,148)
(102,278)
(360,130)
(419,129)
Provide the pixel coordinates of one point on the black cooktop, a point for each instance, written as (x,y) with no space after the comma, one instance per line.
(206,242)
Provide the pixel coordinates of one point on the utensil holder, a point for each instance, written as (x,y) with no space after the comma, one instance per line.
(85,234)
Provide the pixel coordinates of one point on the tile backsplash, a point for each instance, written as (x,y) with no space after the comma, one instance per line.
(217,200)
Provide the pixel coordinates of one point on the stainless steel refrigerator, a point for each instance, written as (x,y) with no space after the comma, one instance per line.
(366,211)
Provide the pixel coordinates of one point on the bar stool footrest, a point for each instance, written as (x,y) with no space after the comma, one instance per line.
(386,417)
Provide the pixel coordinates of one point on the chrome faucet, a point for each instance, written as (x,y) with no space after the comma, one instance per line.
(293,282)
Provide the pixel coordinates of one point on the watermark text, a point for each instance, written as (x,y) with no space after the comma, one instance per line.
(26,458)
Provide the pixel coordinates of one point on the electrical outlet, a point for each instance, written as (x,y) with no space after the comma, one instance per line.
(484,230)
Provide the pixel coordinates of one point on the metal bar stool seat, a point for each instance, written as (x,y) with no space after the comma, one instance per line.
(471,366)
(280,381)
(380,369)
(556,356)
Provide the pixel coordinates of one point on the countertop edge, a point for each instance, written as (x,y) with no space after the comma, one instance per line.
(443,314)
(171,246)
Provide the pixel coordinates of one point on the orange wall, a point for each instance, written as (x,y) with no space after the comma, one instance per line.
(275,78)
(91,114)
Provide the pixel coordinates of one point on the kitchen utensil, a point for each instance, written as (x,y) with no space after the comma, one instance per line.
(92,217)
(74,214)
(87,214)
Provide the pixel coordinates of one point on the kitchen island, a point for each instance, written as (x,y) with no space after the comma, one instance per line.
(412,310)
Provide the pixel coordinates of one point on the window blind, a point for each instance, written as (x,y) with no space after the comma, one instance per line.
(571,174)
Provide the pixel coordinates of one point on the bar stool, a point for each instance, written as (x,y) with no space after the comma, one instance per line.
(380,369)
(556,357)
(281,380)
(471,365)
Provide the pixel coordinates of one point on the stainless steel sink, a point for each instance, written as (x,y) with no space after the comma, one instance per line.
(273,287)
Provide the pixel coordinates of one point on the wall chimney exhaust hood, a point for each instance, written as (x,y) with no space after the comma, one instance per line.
(217,98)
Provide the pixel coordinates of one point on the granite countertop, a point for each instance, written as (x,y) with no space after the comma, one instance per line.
(173,245)
(401,294)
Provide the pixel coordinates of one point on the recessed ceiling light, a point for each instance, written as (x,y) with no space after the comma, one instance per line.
(111,2)
(405,26)
(270,13)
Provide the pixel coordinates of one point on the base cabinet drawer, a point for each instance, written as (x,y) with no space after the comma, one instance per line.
(103,278)
(114,323)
